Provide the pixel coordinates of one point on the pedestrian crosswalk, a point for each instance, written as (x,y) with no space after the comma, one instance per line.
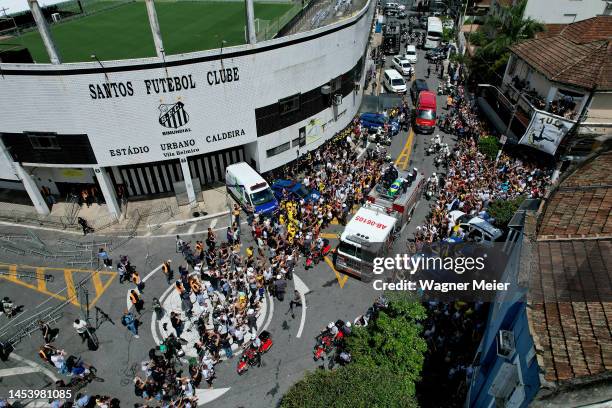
(59,283)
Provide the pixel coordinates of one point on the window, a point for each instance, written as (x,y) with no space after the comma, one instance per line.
(288,105)
(43,141)
(512,66)
(295,142)
(278,149)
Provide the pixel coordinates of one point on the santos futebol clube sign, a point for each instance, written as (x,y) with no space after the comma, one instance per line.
(173,116)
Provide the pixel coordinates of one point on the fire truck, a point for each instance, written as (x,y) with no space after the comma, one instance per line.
(373,229)
(398,193)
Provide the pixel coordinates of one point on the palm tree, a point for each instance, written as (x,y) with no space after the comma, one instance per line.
(509,28)
(502,31)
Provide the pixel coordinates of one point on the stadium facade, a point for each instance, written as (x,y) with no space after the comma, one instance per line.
(148,127)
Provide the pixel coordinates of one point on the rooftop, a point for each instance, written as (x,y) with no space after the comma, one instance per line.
(570,313)
(578,54)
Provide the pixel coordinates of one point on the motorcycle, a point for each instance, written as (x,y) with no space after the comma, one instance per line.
(379,136)
(252,355)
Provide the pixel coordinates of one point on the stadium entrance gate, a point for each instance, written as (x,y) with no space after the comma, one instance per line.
(157,178)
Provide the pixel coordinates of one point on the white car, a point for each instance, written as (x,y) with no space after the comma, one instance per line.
(411,54)
(402,65)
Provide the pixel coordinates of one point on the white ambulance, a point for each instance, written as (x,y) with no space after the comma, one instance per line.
(369,234)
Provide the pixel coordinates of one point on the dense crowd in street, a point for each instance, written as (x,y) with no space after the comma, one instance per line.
(473,180)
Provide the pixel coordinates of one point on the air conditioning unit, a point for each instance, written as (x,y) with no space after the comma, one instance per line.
(505,343)
(56,17)
(337,100)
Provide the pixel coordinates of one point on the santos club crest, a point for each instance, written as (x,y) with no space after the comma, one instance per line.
(173,116)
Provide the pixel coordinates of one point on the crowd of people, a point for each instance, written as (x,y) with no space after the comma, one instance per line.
(452,331)
(474,180)
(222,283)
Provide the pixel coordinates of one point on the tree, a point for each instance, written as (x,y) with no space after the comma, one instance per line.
(387,356)
(503,30)
(503,210)
(392,341)
(489,146)
(350,386)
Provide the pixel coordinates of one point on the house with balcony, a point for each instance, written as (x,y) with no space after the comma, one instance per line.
(566,75)
(548,343)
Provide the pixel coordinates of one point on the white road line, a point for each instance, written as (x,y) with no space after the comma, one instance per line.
(302,289)
(191,229)
(32,364)
(270,312)
(7,372)
(146,278)
(207,395)
(39,403)
(213,223)
(153,317)
(12,224)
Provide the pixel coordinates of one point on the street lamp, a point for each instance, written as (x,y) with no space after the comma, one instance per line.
(93,57)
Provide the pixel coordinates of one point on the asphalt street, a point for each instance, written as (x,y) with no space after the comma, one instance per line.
(119,356)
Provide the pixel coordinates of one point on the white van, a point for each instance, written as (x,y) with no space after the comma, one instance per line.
(248,188)
(434,32)
(394,82)
(411,54)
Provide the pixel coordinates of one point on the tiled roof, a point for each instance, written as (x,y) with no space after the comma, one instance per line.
(580,54)
(583,202)
(551,30)
(570,298)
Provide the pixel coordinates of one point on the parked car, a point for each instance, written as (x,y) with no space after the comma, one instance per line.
(402,65)
(376,120)
(418,85)
(295,189)
(411,54)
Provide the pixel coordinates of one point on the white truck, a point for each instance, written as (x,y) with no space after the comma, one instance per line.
(368,235)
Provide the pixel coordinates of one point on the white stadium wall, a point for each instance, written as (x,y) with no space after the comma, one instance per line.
(140,111)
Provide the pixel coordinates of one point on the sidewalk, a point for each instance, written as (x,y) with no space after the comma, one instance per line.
(137,218)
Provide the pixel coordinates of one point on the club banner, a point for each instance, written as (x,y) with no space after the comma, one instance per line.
(545,132)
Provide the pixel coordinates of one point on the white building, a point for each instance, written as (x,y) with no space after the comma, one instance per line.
(148,127)
(558,11)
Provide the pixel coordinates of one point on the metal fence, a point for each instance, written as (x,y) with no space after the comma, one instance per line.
(32,218)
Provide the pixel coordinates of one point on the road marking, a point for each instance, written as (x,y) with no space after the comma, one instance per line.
(71,292)
(403,159)
(12,273)
(191,229)
(8,372)
(146,278)
(32,364)
(341,277)
(302,289)
(207,395)
(40,275)
(213,223)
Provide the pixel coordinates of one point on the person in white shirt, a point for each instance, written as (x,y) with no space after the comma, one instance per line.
(81,328)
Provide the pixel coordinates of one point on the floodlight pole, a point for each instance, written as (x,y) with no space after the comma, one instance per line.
(44,31)
(250,22)
(94,57)
(155,30)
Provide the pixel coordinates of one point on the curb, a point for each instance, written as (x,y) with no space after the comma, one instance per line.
(190,220)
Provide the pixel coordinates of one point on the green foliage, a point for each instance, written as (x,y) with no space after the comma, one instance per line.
(448,34)
(489,146)
(351,386)
(387,356)
(468,20)
(477,38)
(503,210)
(501,32)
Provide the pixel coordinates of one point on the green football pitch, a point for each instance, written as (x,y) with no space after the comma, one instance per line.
(123,32)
